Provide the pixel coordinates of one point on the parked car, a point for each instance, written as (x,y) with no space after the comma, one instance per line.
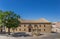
(20,34)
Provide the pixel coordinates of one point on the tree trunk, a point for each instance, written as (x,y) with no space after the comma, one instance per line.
(1,28)
(8,31)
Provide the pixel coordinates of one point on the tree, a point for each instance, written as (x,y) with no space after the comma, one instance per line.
(1,19)
(11,20)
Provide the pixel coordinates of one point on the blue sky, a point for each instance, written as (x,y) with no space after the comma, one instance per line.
(33,9)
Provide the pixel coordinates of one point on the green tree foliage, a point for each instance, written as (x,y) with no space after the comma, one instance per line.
(1,19)
(11,20)
(1,16)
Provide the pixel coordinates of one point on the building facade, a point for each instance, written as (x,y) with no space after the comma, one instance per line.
(56,27)
(33,26)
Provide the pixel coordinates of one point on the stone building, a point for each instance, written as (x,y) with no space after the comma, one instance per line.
(34,26)
(56,27)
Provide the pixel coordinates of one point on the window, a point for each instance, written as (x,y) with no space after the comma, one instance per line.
(40,25)
(29,24)
(19,29)
(24,25)
(24,29)
(16,29)
(39,29)
(44,29)
(44,25)
(35,25)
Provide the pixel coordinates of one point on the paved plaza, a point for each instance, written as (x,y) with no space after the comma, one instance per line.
(47,36)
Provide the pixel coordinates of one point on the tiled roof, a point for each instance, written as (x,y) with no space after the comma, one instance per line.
(42,20)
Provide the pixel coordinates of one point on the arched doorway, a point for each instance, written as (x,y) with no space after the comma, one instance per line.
(29,28)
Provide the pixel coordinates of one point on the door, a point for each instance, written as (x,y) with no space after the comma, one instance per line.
(29,29)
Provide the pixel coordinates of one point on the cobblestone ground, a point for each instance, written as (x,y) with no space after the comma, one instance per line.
(47,36)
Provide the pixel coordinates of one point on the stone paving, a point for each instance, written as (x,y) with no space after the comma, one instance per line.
(47,36)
